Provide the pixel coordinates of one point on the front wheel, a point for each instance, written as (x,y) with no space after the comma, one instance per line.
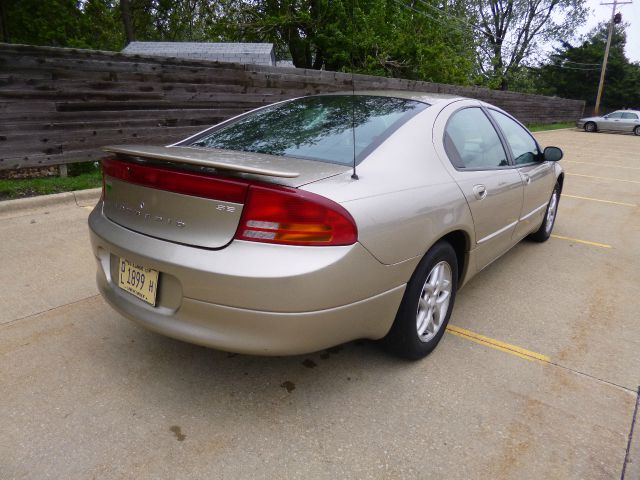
(590,127)
(544,232)
(636,131)
(427,304)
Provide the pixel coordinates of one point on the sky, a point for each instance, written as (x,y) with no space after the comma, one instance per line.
(630,15)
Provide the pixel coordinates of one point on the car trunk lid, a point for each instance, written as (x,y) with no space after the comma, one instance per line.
(194,196)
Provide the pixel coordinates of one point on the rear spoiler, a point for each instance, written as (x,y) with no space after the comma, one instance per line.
(244,162)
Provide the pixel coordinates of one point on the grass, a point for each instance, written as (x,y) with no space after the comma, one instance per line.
(21,188)
(540,127)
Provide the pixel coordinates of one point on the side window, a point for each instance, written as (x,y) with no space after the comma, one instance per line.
(630,116)
(614,115)
(523,146)
(471,141)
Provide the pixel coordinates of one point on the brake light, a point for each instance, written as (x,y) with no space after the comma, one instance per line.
(294,217)
(176,181)
(271,214)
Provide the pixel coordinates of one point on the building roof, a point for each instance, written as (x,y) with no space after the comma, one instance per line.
(252,53)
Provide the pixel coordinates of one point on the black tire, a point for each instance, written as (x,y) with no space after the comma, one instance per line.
(544,232)
(636,131)
(404,339)
(590,127)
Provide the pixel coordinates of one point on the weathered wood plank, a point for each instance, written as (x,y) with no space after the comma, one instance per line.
(148,105)
(187,118)
(74,116)
(86,95)
(81,154)
(56,144)
(169,90)
(19,107)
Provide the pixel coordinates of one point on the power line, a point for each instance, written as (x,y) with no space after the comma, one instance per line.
(473,26)
(580,63)
(424,14)
(571,68)
(431,17)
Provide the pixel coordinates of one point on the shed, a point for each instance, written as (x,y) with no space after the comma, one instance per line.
(248,53)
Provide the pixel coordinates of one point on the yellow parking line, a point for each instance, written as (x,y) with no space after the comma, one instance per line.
(602,164)
(604,178)
(586,242)
(600,200)
(497,344)
(88,207)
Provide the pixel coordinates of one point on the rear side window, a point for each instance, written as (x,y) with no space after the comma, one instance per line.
(317,128)
(630,116)
(523,146)
(471,142)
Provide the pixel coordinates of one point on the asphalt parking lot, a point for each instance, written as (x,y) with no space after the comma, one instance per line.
(537,377)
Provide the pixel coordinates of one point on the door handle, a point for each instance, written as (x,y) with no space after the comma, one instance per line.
(527,178)
(480,191)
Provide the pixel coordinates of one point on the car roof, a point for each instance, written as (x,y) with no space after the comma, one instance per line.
(425,97)
(627,111)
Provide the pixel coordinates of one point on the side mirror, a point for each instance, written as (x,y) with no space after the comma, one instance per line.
(552,154)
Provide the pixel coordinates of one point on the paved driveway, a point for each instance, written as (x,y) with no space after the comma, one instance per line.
(536,378)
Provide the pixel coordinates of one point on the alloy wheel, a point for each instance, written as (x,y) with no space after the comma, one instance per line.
(551,211)
(434,301)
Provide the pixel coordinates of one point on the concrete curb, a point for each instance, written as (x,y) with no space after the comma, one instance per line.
(79,198)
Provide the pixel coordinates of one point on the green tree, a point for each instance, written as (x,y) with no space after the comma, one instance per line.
(169,20)
(574,72)
(62,23)
(510,32)
(383,37)
(104,24)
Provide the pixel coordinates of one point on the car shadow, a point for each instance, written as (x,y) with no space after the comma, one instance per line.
(172,371)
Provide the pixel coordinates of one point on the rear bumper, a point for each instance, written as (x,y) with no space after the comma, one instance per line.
(253,298)
(259,333)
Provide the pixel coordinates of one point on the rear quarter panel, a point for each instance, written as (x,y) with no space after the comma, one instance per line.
(404,200)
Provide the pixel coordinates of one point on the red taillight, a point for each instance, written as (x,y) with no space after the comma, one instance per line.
(294,217)
(176,181)
(271,214)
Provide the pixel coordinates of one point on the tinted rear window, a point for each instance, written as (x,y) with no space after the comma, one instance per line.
(318,128)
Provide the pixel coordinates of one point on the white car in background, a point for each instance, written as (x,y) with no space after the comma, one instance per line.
(618,121)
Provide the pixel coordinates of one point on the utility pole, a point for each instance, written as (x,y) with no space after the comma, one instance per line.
(606,51)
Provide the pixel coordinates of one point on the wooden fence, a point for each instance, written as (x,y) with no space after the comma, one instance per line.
(60,105)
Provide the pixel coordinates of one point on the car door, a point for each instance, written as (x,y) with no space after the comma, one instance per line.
(629,121)
(537,175)
(613,122)
(479,163)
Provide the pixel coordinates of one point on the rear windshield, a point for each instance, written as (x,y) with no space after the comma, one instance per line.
(317,128)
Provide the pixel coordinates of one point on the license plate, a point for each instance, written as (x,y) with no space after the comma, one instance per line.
(138,280)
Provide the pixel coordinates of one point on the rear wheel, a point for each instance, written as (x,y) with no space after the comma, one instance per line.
(636,131)
(544,232)
(427,304)
(590,127)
